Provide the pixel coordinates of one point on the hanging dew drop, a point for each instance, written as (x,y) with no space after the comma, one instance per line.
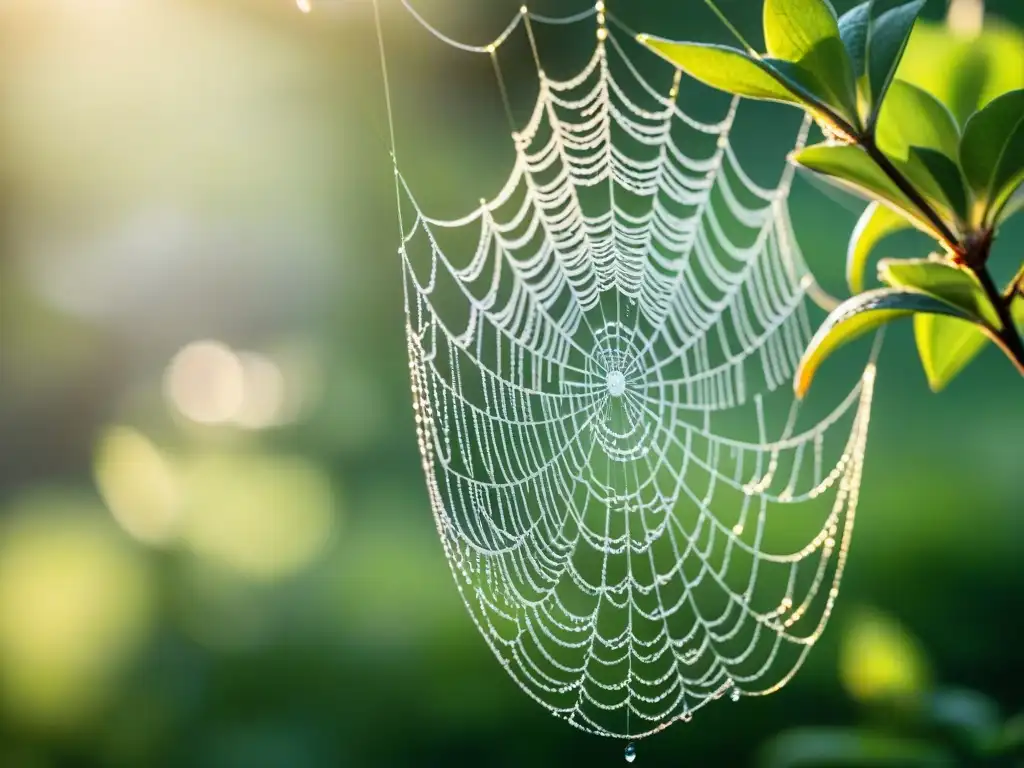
(734,694)
(630,752)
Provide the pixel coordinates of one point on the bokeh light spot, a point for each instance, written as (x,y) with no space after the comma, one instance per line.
(75,606)
(879,660)
(265,517)
(138,485)
(263,399)
(205,382)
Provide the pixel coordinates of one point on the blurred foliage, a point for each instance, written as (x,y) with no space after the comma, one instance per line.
(908,721)
(216,548)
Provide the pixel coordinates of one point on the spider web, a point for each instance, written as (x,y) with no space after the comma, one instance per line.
(636,515)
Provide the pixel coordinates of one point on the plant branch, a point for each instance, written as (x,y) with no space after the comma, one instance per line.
(885,164)
(1007,338)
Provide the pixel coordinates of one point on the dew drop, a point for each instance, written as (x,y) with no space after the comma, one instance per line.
(691,656)
(734,694)
(630,752)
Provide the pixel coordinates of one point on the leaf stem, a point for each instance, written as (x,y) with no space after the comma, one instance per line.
(1007,338)
(1016,286)
(948,238)
(729,25)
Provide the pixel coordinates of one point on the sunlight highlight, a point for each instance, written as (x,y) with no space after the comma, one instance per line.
(209,383)
(205,382)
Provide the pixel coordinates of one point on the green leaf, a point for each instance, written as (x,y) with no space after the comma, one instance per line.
(911,117)
(826,747)
(968,716)
(859,315)
(853,31)
(946,345)
(875,223)
(806,33)
(886,43)
(945,176)
(965,72)
(943,280)
(730,70)
(992,148)
(850,167)
(819,74)
(793,28)
(1009,175)
(1014,203)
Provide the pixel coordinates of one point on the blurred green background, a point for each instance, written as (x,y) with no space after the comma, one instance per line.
(215,542)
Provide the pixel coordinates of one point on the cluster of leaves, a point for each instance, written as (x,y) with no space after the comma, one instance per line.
(902,149)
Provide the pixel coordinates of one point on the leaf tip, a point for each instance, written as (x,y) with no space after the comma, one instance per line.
(802,381)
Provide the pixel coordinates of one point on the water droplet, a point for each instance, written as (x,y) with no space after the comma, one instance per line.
(630,752)
(691,656)
(735,694)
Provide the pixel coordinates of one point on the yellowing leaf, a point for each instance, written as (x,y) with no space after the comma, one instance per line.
(875,223)
(858,316)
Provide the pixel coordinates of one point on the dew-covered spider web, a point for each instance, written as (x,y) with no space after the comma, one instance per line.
(639,515)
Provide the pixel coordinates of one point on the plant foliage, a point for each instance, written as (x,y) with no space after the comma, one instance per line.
(908,154)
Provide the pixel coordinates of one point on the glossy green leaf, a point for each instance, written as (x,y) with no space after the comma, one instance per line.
(946,178)
(943,280)
(825,73)
(1009,175)
(860,315)
(992,147)
(912,117)
(853,31)
(875,223)
(793,28)
(1014,203)
(886,43)
(806,33)
(947,345)
(728,69)
(850,167)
